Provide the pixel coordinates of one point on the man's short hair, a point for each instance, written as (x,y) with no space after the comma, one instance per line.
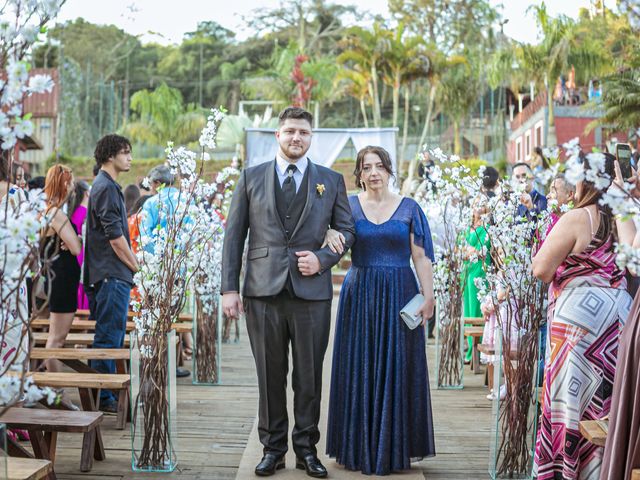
(295,113)
(490,178)
(162,174)
(522,164)
(109,146)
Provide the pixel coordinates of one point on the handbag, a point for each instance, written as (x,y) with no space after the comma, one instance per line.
(410,312)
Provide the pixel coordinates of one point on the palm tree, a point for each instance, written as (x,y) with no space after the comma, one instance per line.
(363,52)
(162,116)
(621,100)
(561,47)
(459,90)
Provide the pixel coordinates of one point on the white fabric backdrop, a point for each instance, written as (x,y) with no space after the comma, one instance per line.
(326,145)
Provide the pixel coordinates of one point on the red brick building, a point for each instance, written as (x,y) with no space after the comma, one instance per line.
(530,129)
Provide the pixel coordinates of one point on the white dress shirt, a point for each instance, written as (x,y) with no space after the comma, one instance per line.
(281,170)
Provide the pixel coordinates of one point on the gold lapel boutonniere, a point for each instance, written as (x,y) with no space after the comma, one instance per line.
(320,188)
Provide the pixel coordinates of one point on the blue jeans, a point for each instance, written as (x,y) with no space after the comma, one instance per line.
(111,308)
(543,348)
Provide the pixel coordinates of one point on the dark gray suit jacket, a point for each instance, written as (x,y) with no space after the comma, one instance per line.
(271,256)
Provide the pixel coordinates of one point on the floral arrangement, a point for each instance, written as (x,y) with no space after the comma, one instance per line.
(445,198)
(182,248)
(22,23)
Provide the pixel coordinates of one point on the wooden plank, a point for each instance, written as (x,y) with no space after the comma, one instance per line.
(593,431)
(474,321)
(635,474)
(473,331)
(183,317)
(28,468)
(51,420)
(39,353)
(82,324)
(79,380)
(86,339)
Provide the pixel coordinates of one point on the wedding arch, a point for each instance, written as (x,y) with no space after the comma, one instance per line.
(261,145)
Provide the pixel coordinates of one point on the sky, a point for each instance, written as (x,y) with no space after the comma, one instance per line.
(165,21)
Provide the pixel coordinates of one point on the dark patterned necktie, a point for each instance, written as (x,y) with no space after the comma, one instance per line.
(289,185)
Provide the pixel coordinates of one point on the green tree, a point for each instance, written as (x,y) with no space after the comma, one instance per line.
(160,116)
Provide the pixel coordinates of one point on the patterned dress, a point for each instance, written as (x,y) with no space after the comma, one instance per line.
(588,305)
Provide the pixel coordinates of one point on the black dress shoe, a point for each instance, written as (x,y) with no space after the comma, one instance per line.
(269,464)
(312,465)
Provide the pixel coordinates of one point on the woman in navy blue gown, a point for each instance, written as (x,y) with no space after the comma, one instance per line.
(380,408)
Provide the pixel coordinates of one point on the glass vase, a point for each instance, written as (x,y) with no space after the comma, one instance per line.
(153,402)
(449,344)
(515,408)
(207,333)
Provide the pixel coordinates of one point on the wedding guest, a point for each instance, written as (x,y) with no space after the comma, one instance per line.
(19,177)
(477,246)
(14,311)
(532,202)
(63,245)
(379,407)
(133,222)
(109,261)
(588,305)
(622,449)
(77,207)
(131,196)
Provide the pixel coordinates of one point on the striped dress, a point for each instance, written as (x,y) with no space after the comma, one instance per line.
(588,305)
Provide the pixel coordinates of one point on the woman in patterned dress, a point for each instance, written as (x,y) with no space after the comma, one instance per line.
(588,305)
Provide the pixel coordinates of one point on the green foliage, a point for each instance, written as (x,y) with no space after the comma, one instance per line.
(162,116)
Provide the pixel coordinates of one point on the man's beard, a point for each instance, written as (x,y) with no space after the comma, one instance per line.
(295,156)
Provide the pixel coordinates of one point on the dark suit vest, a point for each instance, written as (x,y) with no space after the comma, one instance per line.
(290,214)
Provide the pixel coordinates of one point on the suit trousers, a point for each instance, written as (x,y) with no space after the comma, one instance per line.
(273,323)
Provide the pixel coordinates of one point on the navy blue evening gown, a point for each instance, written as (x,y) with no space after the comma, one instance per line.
(380,406)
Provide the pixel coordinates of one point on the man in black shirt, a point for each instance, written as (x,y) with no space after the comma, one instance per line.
(109,262)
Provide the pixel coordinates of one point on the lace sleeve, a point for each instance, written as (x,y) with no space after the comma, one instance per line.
(421,231)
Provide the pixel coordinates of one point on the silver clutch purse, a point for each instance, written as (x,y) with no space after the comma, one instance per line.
(409,312)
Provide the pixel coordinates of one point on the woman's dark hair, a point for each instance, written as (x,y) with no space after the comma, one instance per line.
(490,178)
(131,195)
(5,166)
(138,205)
(76,197)
(381,153)
(590,194)
(543,159)
(108,147)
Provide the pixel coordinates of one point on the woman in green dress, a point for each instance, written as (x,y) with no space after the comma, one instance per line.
(477,259)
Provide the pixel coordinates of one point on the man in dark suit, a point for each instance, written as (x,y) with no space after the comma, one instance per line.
(286,206)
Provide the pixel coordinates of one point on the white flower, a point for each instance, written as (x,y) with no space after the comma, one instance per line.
(40,84)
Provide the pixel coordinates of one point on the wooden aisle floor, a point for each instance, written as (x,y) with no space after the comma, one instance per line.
(214,424)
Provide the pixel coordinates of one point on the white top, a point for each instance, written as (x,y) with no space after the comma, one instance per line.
(281,170)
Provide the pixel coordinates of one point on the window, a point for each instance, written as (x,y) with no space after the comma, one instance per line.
(519,150)
(527,145)
(538,134)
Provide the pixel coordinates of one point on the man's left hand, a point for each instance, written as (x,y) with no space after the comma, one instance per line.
(308,263)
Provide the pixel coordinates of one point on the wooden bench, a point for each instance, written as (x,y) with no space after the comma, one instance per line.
(595,431)
(89,386)
(85,339)
(183,317)
(476,334)
(74,358)
(81,324)
(28,468)
(43,426)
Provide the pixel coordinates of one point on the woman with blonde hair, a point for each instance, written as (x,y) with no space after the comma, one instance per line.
(61,245)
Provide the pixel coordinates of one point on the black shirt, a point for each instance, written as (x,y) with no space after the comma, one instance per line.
(106,220)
